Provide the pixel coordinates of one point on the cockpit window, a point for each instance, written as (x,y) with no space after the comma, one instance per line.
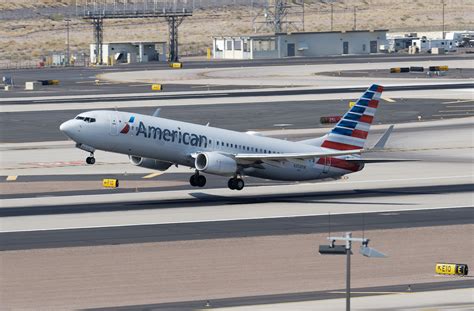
(86,119)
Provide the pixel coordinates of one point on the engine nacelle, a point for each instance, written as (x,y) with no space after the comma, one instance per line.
(149,163)
(215,163)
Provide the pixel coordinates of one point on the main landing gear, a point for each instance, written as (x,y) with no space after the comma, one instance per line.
(90,160)
(197,180)
(236,184)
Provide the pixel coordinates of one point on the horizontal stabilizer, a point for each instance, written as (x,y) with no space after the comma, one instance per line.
(383,140)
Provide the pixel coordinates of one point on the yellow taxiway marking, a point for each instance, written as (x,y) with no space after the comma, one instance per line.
(12,178)
(152,175)
(387,99)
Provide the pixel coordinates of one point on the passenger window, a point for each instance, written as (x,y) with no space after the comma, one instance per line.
(227,145)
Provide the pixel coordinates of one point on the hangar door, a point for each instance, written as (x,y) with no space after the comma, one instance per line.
(291,49)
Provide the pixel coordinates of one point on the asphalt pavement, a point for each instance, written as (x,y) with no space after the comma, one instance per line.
(237,228)
(37,126)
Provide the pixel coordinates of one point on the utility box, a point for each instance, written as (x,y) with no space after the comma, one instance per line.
(31,85)
(438,51)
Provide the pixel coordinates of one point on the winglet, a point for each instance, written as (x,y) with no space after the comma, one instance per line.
(157,112)
(383,140)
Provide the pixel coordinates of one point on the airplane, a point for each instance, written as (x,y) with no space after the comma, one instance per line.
(157,143)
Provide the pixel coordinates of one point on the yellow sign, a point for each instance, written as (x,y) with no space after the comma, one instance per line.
(451,269)
(351,104)
(208,53)
(110,183)
(176,65)
(443,68)
(156,87)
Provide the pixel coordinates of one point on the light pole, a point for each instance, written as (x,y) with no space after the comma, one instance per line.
(444,34)
(333,249)
(68,51)
(332,16)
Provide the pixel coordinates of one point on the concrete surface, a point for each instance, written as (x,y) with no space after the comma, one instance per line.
(458,299)
(296,75)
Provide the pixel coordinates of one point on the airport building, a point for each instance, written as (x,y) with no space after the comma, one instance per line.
(129,52)
(309,44)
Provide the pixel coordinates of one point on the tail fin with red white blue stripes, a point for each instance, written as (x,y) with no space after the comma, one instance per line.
(352,130)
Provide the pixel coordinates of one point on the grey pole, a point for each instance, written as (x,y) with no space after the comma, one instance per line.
(332,16)
(442,3)
(348,271)
(68,52)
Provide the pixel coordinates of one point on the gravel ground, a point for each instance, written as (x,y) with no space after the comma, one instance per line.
(115,275)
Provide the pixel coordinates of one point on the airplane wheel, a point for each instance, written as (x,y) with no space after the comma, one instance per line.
(193,181)
(239,184)
(201,181)
(231,184)
(90,160)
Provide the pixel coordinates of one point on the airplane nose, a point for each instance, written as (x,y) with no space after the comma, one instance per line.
(66,127)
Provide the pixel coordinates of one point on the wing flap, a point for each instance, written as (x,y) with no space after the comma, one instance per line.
(295,156)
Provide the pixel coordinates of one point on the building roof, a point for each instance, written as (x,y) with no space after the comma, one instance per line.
(298,33)
(133,42)
(321,32)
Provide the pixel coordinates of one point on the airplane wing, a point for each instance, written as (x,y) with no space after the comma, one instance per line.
(289,156)
(368,161)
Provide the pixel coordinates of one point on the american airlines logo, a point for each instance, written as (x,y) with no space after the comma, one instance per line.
(126,128)
(185,138)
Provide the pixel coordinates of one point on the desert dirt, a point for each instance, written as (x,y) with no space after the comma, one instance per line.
(135,274)
(30,39)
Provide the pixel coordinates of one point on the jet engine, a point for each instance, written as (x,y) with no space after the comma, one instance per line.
(150,163)
(216,163)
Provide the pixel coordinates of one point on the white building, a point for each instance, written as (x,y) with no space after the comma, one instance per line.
(307,44)
(424,45)
(130,52)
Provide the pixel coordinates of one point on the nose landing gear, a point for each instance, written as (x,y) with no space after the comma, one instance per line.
(197,180)
(90,160)
(236,184)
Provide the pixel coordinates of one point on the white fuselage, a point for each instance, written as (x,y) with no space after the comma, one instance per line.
(176,142)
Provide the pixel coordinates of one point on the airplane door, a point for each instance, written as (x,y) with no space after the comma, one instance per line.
(114,124)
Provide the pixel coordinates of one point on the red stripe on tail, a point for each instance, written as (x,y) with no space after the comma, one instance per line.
(359,134)
(338,146)
(366,119)
(373,103)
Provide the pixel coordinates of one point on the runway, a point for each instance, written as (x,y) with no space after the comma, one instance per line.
(40,125)
(229,229)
